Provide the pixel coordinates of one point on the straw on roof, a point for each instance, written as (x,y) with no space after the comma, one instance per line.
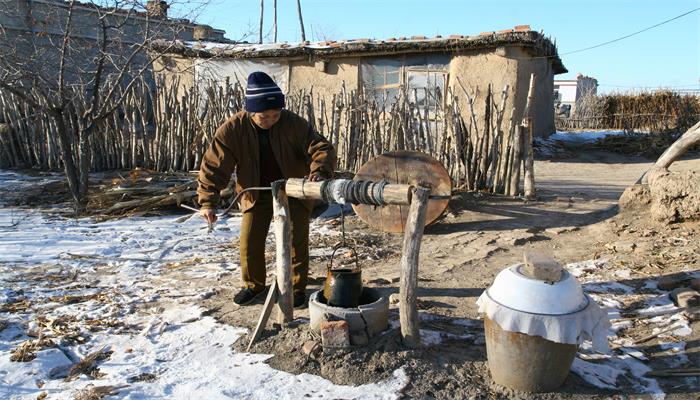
(521,36)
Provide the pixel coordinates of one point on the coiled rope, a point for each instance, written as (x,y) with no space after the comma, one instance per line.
(342,191)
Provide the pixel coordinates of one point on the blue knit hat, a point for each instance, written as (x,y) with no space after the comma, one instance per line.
(262,93)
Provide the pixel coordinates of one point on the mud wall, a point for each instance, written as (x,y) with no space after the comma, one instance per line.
(511,66)
(667,197)
(542,109)
(173,68)
(475,71)
(308,75)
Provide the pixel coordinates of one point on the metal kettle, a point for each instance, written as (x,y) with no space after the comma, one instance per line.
(343,286)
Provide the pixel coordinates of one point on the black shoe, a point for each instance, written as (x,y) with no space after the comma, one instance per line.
(246,295)
(300,300)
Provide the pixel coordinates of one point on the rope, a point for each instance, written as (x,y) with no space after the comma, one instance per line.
(344,243)
(342,191)
(235,199)
(210,225)
(325,192)
(378,191)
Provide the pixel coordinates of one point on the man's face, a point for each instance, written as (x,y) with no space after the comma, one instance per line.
(267,118)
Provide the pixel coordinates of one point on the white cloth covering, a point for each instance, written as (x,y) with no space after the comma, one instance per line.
(591,323)
(237,70)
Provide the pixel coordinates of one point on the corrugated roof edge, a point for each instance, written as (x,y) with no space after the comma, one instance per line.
(538,43)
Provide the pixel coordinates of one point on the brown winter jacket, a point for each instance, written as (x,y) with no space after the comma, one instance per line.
(298,150)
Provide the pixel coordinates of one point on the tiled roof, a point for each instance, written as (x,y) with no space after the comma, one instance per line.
(520,35)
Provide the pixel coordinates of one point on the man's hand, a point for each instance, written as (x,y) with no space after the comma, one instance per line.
(209,215)
(316,178)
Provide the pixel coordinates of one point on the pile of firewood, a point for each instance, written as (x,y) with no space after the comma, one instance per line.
(144,191)
(649,145)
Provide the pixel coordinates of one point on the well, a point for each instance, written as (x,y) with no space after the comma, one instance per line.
(365,321)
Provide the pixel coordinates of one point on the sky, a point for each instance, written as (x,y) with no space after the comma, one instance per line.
(667,56)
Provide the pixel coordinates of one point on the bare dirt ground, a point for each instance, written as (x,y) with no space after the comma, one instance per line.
(575,218)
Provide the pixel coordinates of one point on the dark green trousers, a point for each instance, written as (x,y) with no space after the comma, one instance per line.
(254,228)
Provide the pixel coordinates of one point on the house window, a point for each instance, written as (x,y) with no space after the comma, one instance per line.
(423,77)
(426,87)
(382,80)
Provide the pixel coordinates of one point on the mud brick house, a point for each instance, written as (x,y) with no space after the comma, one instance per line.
(427,68)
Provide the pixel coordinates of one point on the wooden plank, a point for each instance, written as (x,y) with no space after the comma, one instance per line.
(406,168)
(671,328)
(408,307)
(265,315)
(283,245)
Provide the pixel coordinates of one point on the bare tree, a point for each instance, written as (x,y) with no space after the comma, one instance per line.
(301,21)
(322,33)
(262,15)
(274,23)
(76,65)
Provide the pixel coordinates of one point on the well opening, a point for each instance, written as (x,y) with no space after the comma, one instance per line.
(365,321)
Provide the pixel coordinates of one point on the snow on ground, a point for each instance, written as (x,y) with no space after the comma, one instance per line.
(581,137)
(551,147)
(127,290)
(626,362)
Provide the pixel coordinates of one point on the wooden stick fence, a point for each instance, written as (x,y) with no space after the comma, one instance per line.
(656,111)
(644,122)
(168,127)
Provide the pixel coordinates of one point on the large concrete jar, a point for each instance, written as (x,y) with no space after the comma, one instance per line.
(526,363)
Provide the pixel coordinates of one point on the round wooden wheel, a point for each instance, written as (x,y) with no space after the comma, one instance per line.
(404,167)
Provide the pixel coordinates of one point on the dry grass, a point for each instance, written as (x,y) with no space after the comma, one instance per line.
(88,365)
(91,392)
(26,351)
(72,299)
(645,145)
(16,305)
(659,111)
(58,326)
(143,377)
(653,111)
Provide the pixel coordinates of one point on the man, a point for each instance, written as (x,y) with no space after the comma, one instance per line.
(263,144)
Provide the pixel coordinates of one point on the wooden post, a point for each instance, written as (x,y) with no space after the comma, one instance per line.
(528,164)
(514,183)
(283,244)
(413,234)
(528,159)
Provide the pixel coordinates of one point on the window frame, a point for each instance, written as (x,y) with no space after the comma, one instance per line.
(404,69)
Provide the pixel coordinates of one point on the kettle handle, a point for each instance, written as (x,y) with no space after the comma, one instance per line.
(344,246)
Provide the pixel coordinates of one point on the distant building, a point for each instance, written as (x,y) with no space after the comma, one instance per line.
(568,92)
(427,68)
(31,33)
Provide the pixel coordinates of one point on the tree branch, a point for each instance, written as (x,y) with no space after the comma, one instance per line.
(64,50)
